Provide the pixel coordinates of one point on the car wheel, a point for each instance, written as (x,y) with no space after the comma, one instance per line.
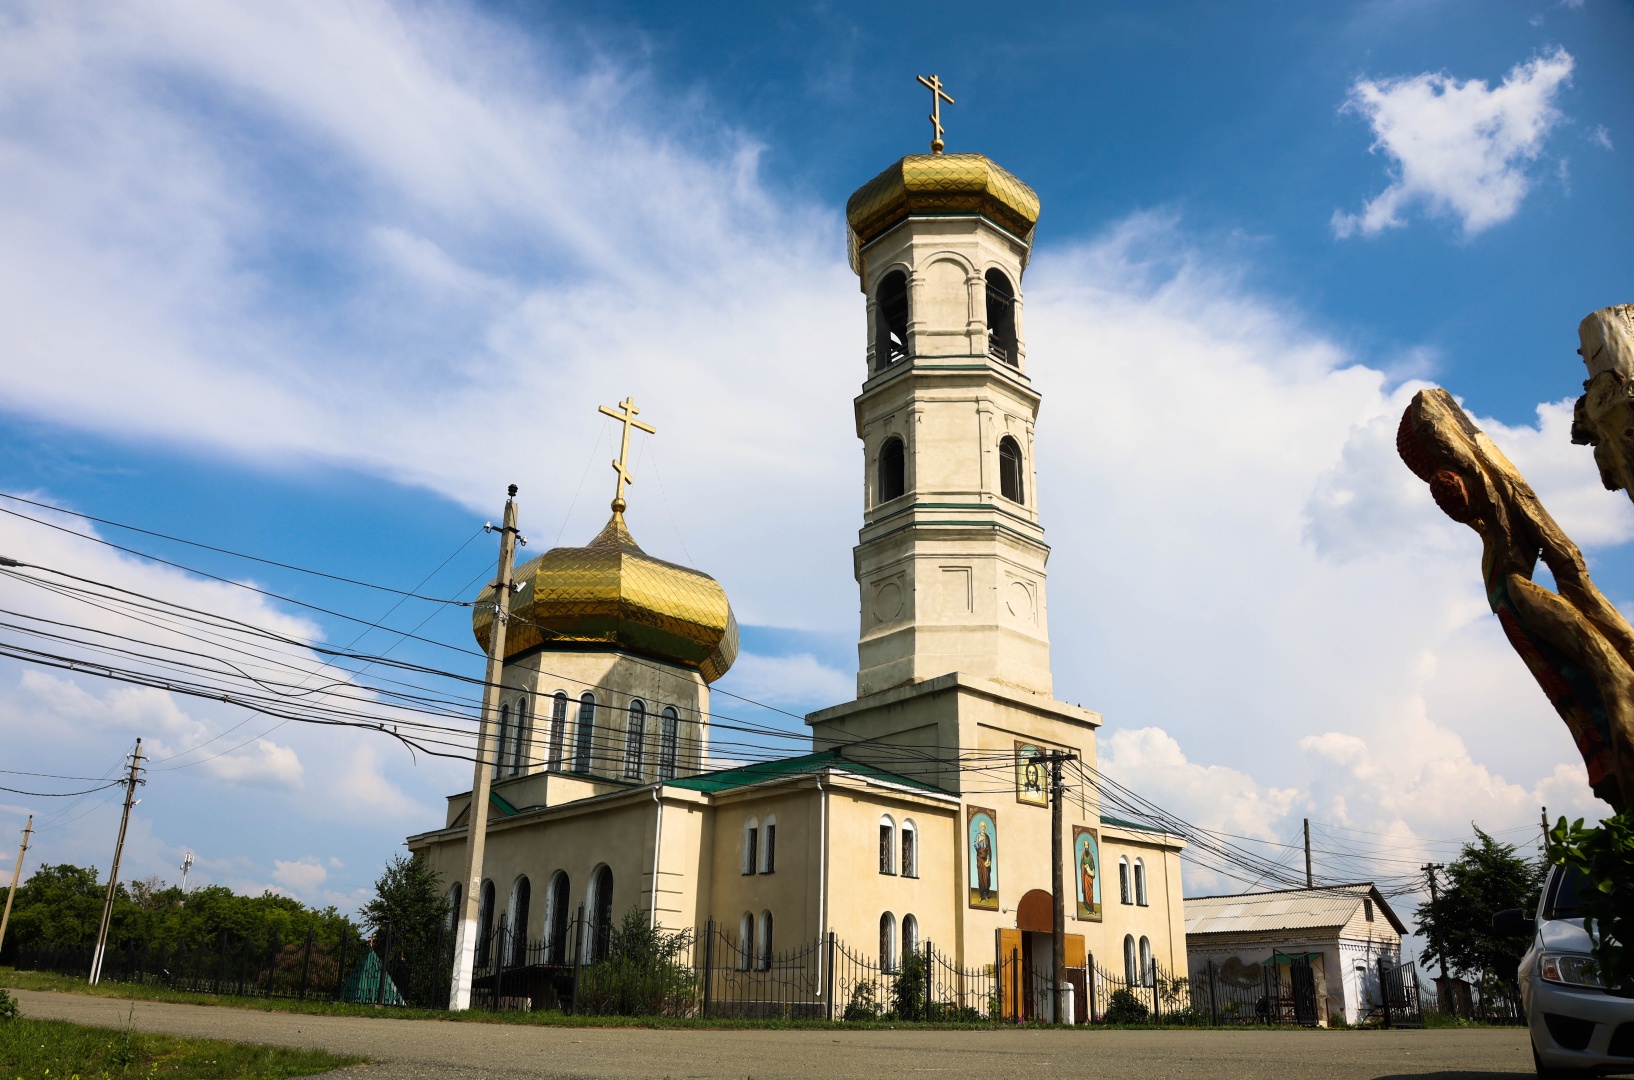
(1547,1073)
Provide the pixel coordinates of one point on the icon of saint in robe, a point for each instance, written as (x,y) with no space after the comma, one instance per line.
(984,862)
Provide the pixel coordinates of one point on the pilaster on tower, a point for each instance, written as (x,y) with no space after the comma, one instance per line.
(951,556)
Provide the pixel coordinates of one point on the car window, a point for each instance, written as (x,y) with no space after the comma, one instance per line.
(1564,899)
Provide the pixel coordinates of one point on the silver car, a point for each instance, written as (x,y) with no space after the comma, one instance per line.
(1578,1028)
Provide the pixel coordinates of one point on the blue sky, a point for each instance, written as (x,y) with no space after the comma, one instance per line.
(316,281)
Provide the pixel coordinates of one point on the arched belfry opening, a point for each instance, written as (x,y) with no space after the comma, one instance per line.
(893,470)
(1001,319)
(1010,471)
(891,320)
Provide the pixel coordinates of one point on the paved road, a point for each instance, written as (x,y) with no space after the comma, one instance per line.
(416,1049)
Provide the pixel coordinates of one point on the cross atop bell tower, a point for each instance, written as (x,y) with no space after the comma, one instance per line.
(950,559)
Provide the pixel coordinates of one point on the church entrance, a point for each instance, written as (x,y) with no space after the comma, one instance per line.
(1027,963)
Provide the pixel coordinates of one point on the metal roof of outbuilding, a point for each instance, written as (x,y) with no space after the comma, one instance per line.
(1285,909)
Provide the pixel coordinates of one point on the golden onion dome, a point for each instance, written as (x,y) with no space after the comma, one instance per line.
(940,184)
(612,594)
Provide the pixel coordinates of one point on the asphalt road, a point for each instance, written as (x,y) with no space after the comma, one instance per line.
(415,1049)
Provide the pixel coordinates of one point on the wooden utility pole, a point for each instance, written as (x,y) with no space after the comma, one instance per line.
(16,872)
(1429,872)
(1310,882)
(476,827)
(113,875)
(1058,886)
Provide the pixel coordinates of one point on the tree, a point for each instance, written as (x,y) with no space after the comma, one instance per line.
(1486,878)
(1604,855)
(409,901)
(58,905)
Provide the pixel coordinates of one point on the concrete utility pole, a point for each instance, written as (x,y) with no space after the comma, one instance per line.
(113,875)
(1543,817)
(1310,882)
(1429,872)
(476,829)
(16,872)
(1058,887)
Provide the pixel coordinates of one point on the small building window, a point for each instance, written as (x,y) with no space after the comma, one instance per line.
(558,728)
(763,941)
(1367,908)
(751,844)
(768,845)
(1124,895)
(1130,971)
(887,845)
(585,741)
(1010,477)
(1140,882)
(1148,967)
(746,941)
(887,942)
(1001,319)
(666,743)
(893,470)
(910,849)
(910,936)
(635,737)
(891,320)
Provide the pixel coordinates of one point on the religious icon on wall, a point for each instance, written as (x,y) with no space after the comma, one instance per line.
(1032,774)
(982,857)
(1086,858)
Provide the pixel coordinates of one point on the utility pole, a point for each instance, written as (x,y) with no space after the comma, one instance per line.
(113,875)
(1058,886)
(16,872)
(187,864)
(1429,872)
(476,829)
(1543,818)
(1310,882)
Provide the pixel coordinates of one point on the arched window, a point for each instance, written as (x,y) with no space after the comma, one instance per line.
(558,728)
(891,320)
(1010,476)
(635,738)
(585,740)
(1140,882)
(1148,968)
(1124,895)
(910,935)
(893,470)
(666,743)
(556,918)
(751,845)
(763,943)
(768,844)
(887,845)
(485,924)
(455,911)
(522,758)
(1367,908)
(517,920)
(1001,319)
(910,851)
(1130,972)
(887,942)
(746,941)
(502,742)
(601,913)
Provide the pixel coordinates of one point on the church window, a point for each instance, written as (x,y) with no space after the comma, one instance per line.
(503,743)
(910,936)
(521,894)
(585,737)
(910,850)
(763,943)
(746,941)
(1129,970)
(1010,478)
(485,924)
(666,743)
(891,320)
(768,845)
(887,845)
(519,740)
(1001,319)
(601,913)
(1123,882)
(893,470)
(556,918)
(558,728)
(751,845)
(1148,967)
(455,912)
(635,737)
(1140,882)
(887,942)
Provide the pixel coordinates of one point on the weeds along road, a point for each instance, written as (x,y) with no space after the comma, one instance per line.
(416,1049)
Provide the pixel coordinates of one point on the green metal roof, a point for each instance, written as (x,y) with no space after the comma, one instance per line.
(1107,819)
(762,771)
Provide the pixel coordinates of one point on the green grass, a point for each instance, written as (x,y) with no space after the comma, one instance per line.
(52,1049)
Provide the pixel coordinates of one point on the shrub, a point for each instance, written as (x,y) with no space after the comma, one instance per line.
(1605,855)
(1125,1008)
(646,973)
(8,1005)
(863,1005)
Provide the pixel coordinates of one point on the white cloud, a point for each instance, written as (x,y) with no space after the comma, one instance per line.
(1459,148)
(1601,136)
(790,680)
(301,877)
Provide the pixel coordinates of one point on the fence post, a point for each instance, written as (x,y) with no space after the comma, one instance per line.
(221,960)
(1384,992)
(1213,1001)
(930,981)
(306,961)
(709,963)
(578,955)
(340,972)
(272,959)
(498,950)
(829,945)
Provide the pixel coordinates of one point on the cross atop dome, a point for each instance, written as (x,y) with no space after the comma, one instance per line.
(937,96)
(628,419)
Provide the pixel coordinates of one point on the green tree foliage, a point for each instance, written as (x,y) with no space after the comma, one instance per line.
(59,905)
(409,900)
(648,972)
(1605,856)
(1486,878)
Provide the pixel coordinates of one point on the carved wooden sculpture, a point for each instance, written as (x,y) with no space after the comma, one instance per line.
(1575,643)
(1604,417)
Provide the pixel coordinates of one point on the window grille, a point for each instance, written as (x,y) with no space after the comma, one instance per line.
(887,847)
(634,739)
(751,838)
(666,743)
(585,740)
(558,728)
(768,846)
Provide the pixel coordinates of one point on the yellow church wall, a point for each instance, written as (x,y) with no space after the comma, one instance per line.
(1161,920)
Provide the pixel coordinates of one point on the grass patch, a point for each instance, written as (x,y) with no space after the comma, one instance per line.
(56,1048)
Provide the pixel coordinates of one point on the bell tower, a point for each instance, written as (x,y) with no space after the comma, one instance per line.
(950,558)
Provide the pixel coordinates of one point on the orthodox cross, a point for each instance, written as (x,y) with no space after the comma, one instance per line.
(937,96)
(628,419)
